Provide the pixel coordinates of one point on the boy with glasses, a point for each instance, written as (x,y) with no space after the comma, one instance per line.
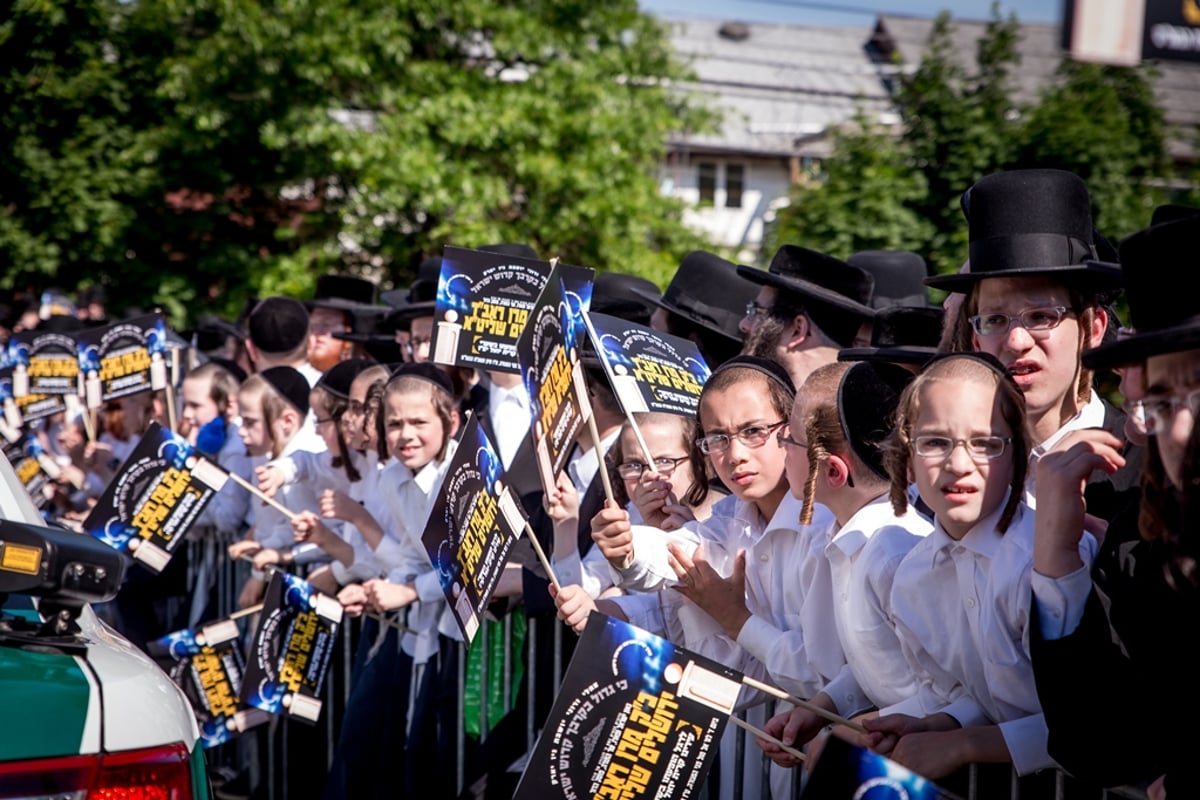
(1036,299)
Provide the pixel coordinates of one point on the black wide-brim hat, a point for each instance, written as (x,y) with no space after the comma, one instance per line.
(343,293)
(1030,222)
(624,296)
(817,278)
(899,277)
(867,398)
(901,335)
(1164,316)
(707,291)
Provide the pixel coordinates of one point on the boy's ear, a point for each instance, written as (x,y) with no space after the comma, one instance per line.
(837,472)
(455,421)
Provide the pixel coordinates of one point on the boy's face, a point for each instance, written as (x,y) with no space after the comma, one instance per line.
(199,408)
(796,455)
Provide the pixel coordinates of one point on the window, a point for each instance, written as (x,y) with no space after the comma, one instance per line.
(734,181)
(707,181)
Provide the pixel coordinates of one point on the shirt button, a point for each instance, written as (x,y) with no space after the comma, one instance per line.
(764,558)
(970,602)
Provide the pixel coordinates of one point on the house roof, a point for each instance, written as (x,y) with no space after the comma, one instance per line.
(781,86)
(1177,86)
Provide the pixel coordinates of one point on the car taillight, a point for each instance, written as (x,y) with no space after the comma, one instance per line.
(159,773)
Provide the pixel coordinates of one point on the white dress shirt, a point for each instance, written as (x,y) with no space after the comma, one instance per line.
(863,557)
(403,554)
(962,611)
(511,416)
(1090,416)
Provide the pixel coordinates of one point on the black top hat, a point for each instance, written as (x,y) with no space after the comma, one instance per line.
(899,277)
(901,335)
(867,398)
(1164,319)
(706,290)
(1030,222)
(627,297)
(817,279)
(342,292)
(290,384)
(278,324)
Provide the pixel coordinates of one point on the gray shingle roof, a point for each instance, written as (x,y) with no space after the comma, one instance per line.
(782,86)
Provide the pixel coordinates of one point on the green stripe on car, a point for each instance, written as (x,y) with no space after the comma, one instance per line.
(50,694)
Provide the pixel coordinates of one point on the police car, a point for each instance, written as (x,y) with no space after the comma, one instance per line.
(84,713)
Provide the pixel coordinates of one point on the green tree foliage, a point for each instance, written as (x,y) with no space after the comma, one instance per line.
(863,199)
(1104,124)
(961,122)
(263,145)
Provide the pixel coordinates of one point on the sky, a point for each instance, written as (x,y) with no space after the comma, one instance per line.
(855,12)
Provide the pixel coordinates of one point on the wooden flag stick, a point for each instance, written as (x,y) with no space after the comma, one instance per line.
(796,701)
(169,391)
(541,554)
(254,490)
(245,612)
(765,736)
(602,469)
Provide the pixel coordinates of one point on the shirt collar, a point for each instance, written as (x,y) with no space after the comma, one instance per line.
(983,538)
(1090,416)
(517,394)
(854,534)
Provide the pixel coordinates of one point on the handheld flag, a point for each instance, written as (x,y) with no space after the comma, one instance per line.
(473,525)
(635,716)
(158,493)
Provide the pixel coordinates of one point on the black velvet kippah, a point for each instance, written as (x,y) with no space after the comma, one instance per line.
(426,371)
(290,385)
(867,399)
(337,379)
(769,367)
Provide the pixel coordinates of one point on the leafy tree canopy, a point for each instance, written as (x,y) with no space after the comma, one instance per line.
(195,152)
(902,191)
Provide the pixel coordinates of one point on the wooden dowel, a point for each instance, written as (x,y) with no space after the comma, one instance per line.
(796,701)
(254,490)
(245,612)
(541,554)
(765,736)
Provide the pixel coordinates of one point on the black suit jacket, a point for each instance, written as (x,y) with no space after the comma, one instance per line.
(1119,692)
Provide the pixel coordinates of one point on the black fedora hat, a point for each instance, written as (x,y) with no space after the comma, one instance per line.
(899,277)
(428,272)
(901,335)
(627,297)
(706,290)
(1164,319)
(817,278)
(867,398)
(1030,222)
(342,292)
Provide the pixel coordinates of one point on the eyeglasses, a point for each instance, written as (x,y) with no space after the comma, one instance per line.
(1159,412)
(663,466)
(751,436)
(324,420)
(784,438)
(1034,320)
(979,448)
(324,329)
(753,309)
